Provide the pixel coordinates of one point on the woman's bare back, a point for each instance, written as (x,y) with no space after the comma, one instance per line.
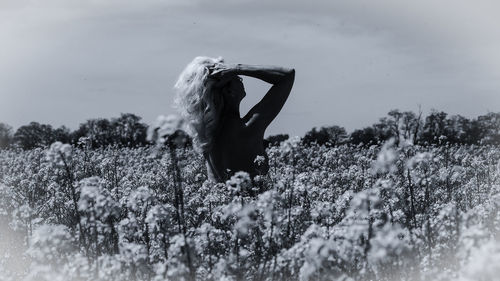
(237,148)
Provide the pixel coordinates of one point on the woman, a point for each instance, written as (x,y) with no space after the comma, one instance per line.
(209,93)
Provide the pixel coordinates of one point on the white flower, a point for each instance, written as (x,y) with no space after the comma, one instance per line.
(259,160)
(239,183)
(419,159)
(484,264)
(139,199)
(386,158)
(50,242)
(164,126)
(95,198)
(59,153)
(290,144)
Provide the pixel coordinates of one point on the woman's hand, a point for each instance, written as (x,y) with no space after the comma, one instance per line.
(223,73)
(218,70)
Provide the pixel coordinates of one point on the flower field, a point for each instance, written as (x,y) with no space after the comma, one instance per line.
(347,212)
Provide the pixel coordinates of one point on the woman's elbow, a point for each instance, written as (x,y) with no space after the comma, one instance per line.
(287,76)
(290,75)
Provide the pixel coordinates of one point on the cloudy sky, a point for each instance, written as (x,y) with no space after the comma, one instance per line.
(65,61)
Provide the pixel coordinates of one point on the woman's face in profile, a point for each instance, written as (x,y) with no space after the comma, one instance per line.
(235,90)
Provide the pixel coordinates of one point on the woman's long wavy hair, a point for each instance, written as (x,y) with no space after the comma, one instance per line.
(199,102)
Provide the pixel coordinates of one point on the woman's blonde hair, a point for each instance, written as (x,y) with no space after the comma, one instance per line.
(199,102)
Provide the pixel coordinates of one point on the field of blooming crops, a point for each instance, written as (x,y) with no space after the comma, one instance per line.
(323,213)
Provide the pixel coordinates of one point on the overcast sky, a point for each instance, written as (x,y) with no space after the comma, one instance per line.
(65,61)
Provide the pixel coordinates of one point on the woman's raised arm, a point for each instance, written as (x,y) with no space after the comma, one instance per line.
(264,112)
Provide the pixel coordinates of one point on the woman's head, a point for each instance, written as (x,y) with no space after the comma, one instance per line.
(233,91)
(199,101)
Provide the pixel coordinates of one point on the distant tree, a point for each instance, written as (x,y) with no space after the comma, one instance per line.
(275,140)
(490,124)
(128,130)
(34,135)
(315,136)
(332,135)
(461,130)
(398,125)
(82,131)
(366,136)
(337,135)
(62,134)
(99,131)
(474,132)
(435,128)
(439,128)
(383,130)
(410,125)
(5,135)
(393,124)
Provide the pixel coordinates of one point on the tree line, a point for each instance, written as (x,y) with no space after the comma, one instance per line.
(437,128)
(129,131)
(126,130)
